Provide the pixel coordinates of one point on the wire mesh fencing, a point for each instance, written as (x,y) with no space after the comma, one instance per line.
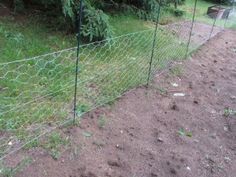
(36,94)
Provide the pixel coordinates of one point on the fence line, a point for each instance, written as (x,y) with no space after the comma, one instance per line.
(37,91)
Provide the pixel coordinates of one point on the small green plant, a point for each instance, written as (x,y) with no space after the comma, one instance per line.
(182,132)
(176,71)
(6,172)
(54,143)
(101,122)
(162,91)
(228,112)
(33,144)
(81,109)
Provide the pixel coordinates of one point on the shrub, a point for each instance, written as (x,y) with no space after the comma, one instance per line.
(178,12)
(96,24)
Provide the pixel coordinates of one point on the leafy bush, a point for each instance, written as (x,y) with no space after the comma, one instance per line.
(96,24)
(178,12)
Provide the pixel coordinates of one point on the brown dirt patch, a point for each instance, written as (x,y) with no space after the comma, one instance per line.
(142,137)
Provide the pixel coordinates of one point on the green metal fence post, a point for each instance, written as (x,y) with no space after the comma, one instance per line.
(214,23)
(77,57)
(153,44)
(191,29)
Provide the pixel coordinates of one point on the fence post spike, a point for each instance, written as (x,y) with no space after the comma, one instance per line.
(77,57)
(213,25)
(191,29)
(154,43)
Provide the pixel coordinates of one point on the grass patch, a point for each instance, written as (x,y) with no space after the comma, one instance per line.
(54,143)
(28,38)
(123,24)
(11,172)
(182,132)
(32,144)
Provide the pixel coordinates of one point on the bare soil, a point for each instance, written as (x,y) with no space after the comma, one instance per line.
(142,135)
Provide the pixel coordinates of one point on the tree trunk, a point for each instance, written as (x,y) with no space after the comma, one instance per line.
(11,4)
(27,3)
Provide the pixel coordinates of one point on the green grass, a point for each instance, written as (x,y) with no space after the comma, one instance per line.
(27,38)
(123,24)
(54,143)
(183,132)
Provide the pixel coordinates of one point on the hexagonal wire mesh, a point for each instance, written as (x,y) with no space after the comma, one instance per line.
(36,94)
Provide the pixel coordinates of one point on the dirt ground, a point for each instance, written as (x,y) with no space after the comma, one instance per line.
(154,132)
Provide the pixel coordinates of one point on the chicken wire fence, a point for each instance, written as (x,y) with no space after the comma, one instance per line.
(36,94)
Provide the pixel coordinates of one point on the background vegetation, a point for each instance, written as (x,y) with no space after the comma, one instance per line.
(96,26)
